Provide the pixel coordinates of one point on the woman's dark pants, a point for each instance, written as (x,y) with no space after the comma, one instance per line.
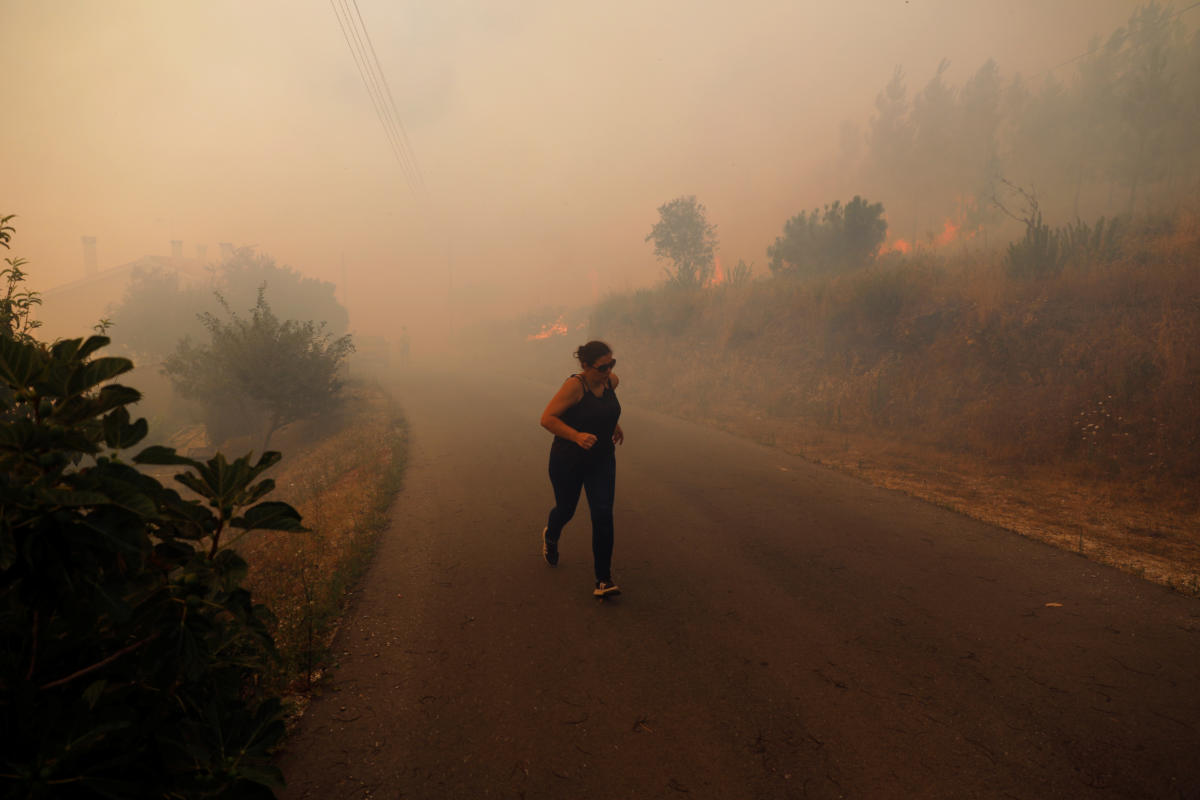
(571,469)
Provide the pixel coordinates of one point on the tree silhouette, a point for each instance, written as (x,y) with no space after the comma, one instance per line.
(684,237)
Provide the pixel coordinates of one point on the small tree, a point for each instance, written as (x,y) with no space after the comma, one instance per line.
(838,238)
(684,237)
(258,374)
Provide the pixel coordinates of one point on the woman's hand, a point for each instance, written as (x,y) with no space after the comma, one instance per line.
(618,435)
(585,440)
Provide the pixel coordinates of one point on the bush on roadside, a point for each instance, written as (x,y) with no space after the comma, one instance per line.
(260,373)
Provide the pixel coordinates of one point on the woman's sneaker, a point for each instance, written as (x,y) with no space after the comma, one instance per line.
(606,589)
(549,549)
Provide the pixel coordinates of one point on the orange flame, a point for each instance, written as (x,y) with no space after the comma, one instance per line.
(952,231)
(718,276)
(556,328)
(948,234)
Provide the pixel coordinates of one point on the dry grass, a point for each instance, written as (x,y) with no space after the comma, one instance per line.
(1102,522)
(1066,408)
(341,475)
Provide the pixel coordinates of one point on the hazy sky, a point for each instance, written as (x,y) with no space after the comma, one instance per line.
(547,132)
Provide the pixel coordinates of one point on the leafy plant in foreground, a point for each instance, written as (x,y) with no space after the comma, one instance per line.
(129,651)
(17,304)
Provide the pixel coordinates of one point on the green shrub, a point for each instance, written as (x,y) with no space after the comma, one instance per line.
(1039,254)
(1044,251)
(129,651)
(258,374)
(838,238)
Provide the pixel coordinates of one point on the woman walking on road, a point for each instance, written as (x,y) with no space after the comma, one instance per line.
(583,418)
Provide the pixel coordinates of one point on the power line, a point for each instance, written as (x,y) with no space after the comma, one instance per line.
(385,112)
(391,101)
(1094,49)
(371,83)
(360,66)
(387,117)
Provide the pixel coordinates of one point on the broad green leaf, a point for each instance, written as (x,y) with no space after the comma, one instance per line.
(94,373)
(268,459)
(23,435)
(165,456)
(173,552)
(69,498)
(19,362)
(93,693)
(235,478)
(232,568)
(66,349)
(119,433)
(114,396)
(196,484)
(188,510)
(212,473)
(96,733)
(123,495)
(92,344)
(258,491)
(271,516)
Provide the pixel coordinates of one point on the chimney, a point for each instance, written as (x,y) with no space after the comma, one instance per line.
(176,248)
(201,252)
(89,255)
(226,251)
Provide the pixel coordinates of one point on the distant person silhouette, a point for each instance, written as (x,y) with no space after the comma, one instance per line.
(583,416)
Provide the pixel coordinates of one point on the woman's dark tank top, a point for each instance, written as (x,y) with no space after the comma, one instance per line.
(595,415)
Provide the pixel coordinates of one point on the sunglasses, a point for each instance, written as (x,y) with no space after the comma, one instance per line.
(605,367)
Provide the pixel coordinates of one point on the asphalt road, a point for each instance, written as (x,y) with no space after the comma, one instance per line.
(785,632)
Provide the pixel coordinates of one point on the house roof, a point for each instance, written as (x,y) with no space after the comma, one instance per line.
(189,268)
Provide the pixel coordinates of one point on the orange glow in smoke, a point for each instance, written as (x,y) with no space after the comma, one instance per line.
(718,276)
(948,234)
(952,231)
(898,246)
(556,328)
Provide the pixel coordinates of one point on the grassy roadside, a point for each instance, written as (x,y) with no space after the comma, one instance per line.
(1103,522)
(342,475)
(1064,407)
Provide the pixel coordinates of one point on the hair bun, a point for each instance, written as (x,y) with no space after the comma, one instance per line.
(588,353)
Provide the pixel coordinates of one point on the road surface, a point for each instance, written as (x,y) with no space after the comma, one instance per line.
(785,632)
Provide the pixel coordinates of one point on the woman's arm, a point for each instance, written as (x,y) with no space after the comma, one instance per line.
(568,395)
(618,435)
